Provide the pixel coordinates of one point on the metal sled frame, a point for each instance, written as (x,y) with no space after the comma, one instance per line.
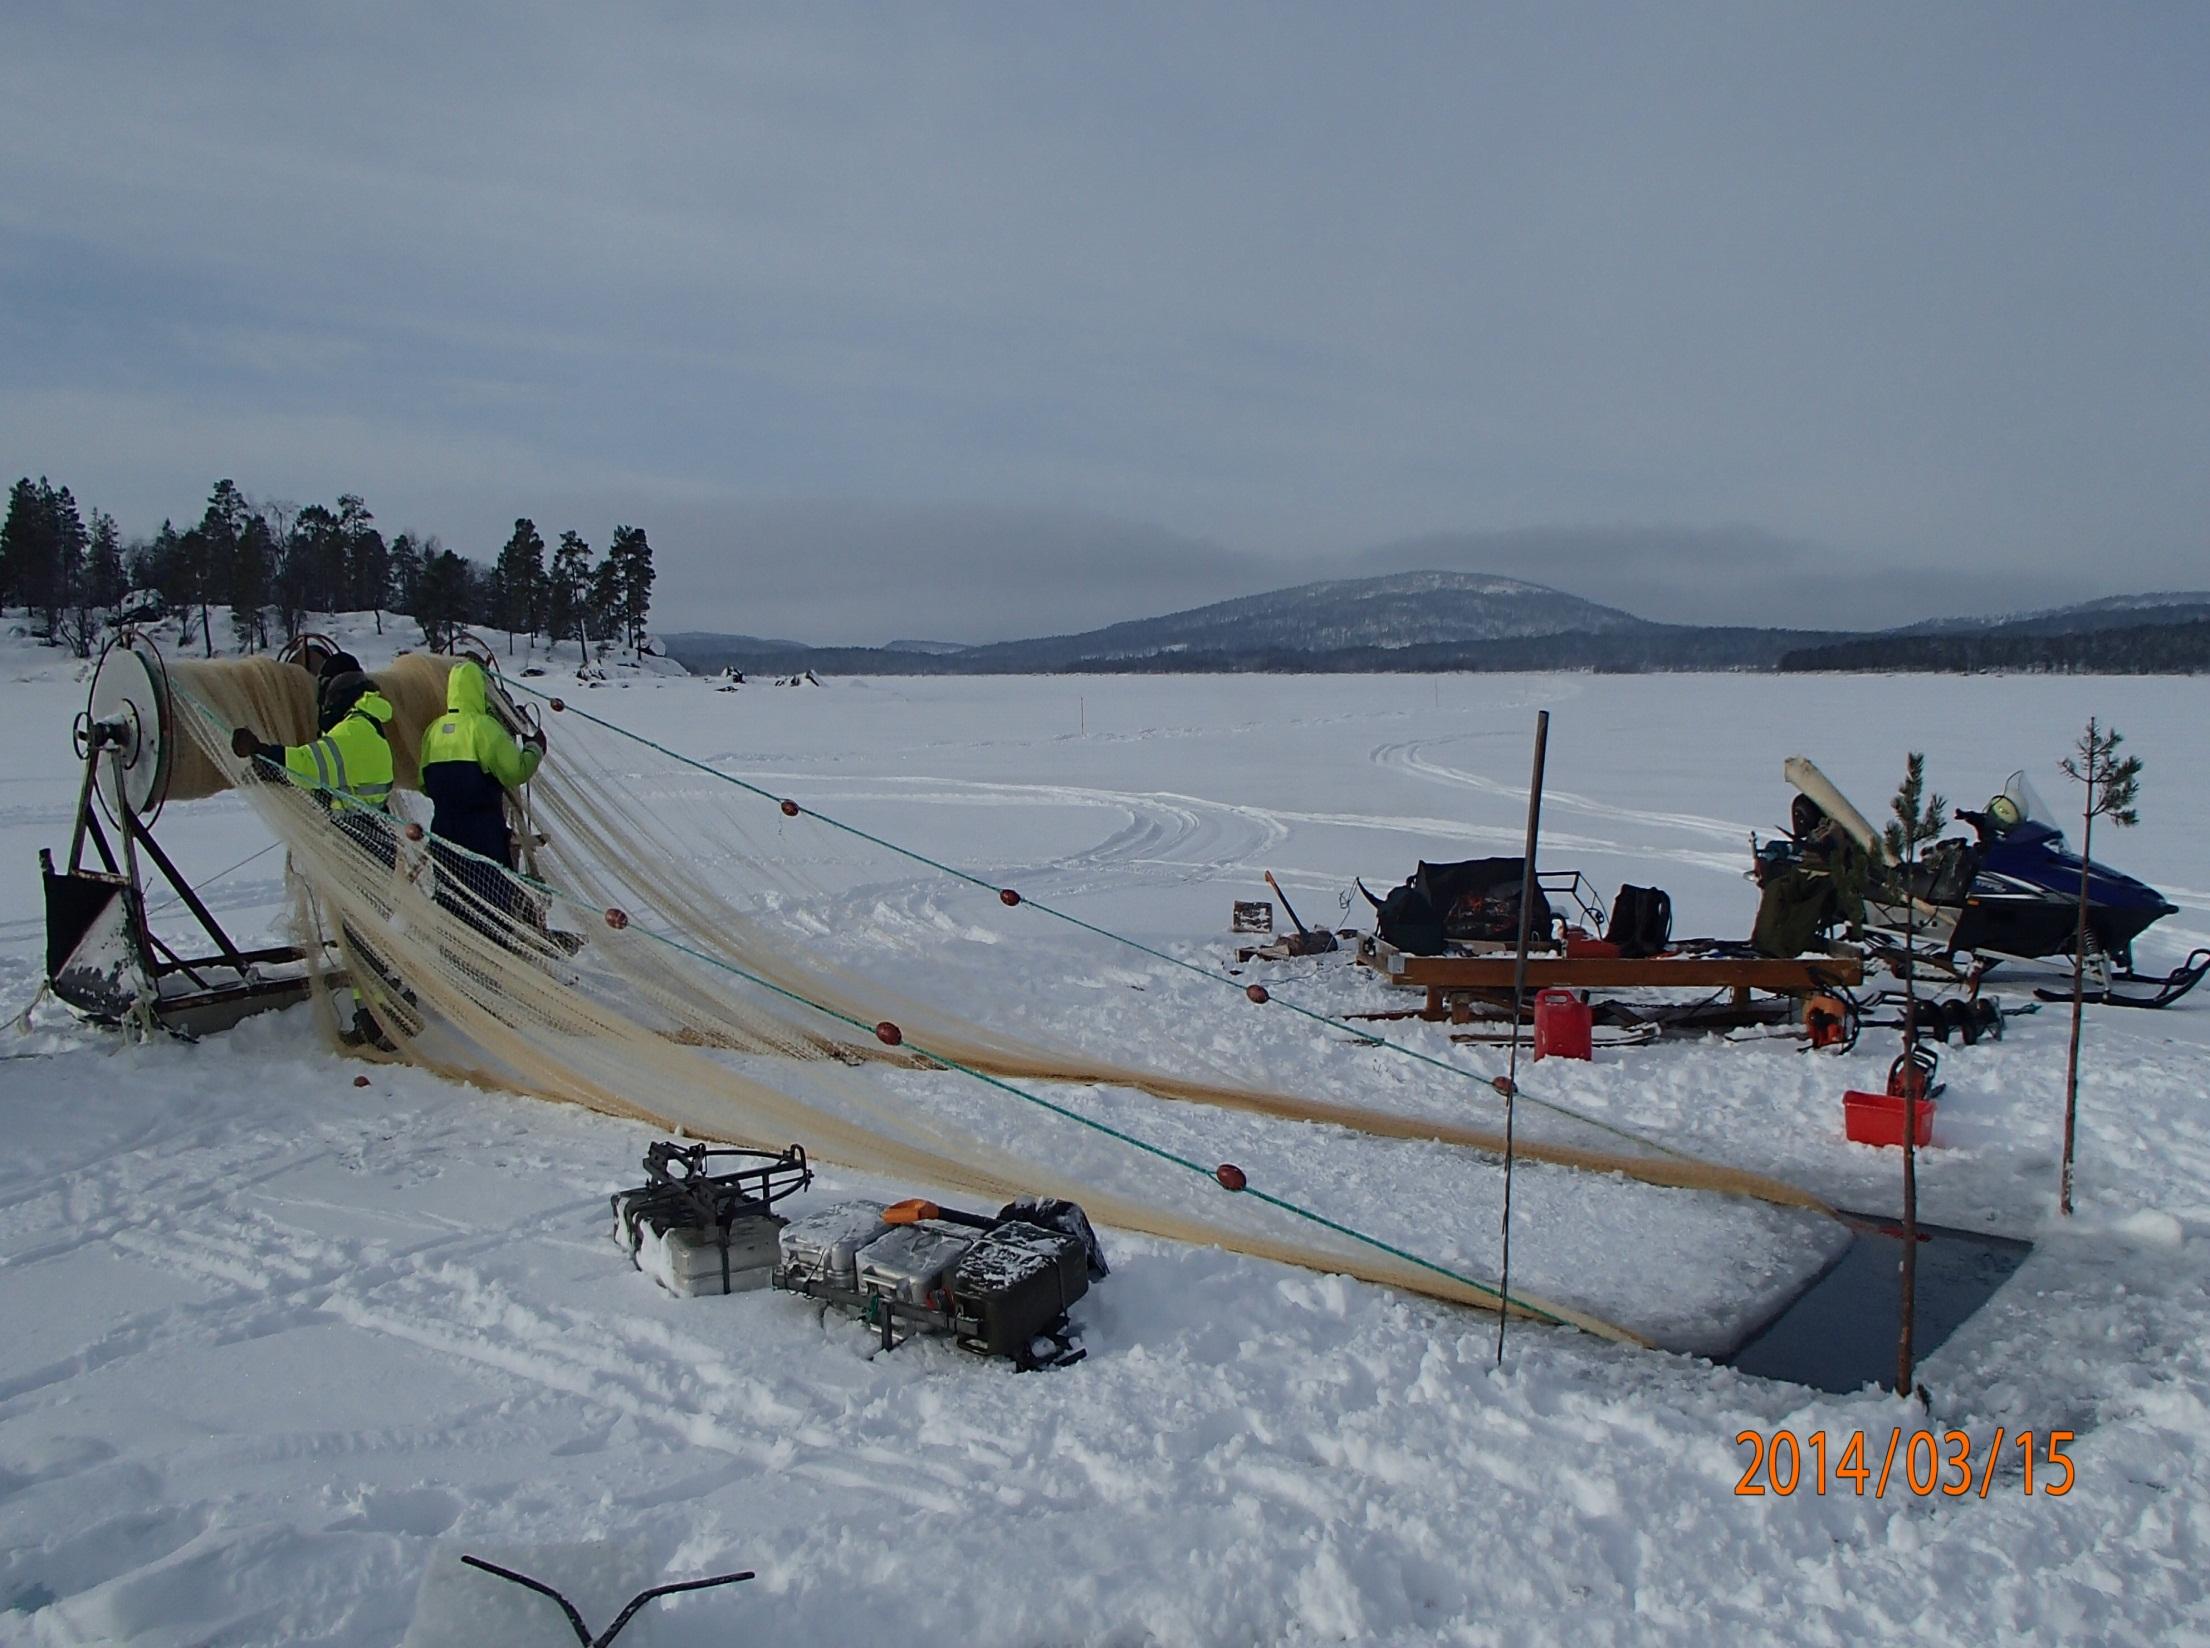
(682,1191)
(90,911)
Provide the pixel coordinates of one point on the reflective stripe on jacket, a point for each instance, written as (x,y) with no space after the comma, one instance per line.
(351,763)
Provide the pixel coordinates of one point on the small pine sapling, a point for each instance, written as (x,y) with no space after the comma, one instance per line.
(2113,785)
(1917,822)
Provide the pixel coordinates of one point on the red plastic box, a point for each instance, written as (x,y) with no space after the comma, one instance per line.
(1582,945)
(1564,1026)
(1877,1118)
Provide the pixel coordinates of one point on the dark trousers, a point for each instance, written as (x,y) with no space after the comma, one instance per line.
(371,833)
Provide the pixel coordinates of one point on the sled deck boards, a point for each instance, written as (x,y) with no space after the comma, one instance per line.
(1442,975)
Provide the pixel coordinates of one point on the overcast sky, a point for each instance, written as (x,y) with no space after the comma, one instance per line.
(955,322)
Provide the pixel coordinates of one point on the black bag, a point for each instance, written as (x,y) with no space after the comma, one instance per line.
(1479,899)
(1067,1218)
(1407,920)
(1475,900)
(1015,1285)
(1641,921)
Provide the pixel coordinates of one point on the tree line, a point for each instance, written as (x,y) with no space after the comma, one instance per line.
(271,563)
(2134,649)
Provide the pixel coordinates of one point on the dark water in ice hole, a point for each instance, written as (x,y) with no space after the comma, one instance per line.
(1839,1333)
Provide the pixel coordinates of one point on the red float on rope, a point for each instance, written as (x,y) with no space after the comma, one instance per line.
(413,832)
(1008,897)
(559,704)
(1257,992)
(1230,1176)
(616,917)
(1503,1084)
(790,809)
(889,1034)
(360,1081)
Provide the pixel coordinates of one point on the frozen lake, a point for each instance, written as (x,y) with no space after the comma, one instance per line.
(279,1345)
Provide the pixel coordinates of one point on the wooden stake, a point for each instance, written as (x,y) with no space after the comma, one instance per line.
(1519,995)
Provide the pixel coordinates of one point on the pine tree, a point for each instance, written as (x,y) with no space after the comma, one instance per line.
(252,577)
(406,572)
(630,557)
(606,598)
(568,593)
(158,565)
(211,550)
(104,562)
(368,564)
(72,573)
(2113,785)
(518,579)
(314,564)
(42,544)
(441,599)
(333,563)
(19,544)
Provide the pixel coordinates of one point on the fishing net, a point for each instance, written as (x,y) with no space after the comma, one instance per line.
(679,947)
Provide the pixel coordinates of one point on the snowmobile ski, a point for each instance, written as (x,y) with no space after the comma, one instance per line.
(2164,991)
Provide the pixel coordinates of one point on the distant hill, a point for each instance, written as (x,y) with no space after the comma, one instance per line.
(2112,612)
(1428,620)
(1402,610)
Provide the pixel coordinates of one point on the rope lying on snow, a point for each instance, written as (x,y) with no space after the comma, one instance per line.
(466,937)
(1680,1168)
(1555,1314)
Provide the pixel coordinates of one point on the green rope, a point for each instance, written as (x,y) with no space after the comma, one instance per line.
(1405,1049)
(1108,1130)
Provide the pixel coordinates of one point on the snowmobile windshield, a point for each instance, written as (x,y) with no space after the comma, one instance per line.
(2019,788)
(2018,802)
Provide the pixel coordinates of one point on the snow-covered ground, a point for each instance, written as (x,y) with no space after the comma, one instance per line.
(275,1346)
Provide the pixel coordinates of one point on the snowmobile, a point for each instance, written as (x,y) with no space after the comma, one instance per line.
(2020,847)
(2010,893)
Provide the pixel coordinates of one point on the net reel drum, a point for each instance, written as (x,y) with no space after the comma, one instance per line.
(103,958)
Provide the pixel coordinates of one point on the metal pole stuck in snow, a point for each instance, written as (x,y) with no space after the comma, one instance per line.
(1519,997)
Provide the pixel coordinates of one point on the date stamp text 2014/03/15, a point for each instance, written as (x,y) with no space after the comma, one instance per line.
(1928,1464)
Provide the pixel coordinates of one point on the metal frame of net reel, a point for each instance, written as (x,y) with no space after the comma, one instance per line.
(104,960)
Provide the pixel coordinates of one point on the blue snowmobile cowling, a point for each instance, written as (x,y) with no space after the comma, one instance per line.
(2021,848)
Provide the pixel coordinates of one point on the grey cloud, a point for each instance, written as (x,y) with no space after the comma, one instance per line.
(1910,290)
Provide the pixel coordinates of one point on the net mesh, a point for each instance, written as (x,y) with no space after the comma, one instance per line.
(663,954)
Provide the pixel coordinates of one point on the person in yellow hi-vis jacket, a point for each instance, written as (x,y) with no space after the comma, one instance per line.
(348,767)
(469,765)
(350,763)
